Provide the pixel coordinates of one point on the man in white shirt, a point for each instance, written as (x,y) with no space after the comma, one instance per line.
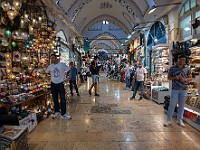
(140,76)
(57,71)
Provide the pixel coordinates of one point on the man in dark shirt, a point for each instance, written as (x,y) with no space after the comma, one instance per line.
(94,74)
(180,76)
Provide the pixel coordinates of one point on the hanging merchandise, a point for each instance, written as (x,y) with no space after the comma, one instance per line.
(14,44)
(8,33)
(27,39)
(192,104)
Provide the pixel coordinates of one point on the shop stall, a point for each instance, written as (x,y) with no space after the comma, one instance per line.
(27,39)
(192,106)
(62,48)
(158,86)
(157,63)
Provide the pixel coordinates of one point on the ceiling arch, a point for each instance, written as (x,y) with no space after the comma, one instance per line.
(107,42)
(85,11)
(107,37)
(107,18)
(132,6)
(87,17)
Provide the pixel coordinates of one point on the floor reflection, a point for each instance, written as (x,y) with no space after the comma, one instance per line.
(128,125)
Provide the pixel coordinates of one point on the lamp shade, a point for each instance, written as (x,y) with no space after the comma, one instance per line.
(11,14)
(5,5)
(17,5)
(152,9)
(8,33)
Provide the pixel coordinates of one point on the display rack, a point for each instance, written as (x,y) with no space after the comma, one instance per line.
(192,106)
(159,71)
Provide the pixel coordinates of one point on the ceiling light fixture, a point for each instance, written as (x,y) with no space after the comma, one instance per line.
(129,37)
(153,8)
(141,28)
(12,8)
(57,2)
(187,29)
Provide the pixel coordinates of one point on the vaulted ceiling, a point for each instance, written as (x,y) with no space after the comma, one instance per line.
(122,15)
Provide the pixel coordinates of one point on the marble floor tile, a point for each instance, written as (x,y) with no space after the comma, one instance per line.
(141,130)
(59,146)
(119,136)
(36,145)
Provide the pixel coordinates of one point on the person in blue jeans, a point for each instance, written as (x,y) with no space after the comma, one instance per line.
(127,75)
(72,78)
(57,72)
(94,69)
(140,77)
(180,75)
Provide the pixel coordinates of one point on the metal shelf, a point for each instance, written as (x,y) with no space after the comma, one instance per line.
(193,124)
(192,108)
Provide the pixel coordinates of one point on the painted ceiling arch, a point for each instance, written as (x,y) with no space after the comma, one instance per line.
(132,6)
(124,14)
(111,45)
(103,46)
(110,31)
(109,38)
(76,10)
(107,18)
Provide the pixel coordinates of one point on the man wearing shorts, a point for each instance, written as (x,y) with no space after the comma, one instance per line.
(94,74)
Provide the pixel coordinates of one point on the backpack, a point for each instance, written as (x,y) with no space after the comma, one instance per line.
(167,102)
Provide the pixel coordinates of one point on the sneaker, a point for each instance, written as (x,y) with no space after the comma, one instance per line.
(133,97)
(180,123)
(66,117)
(78,94)
(56,115)
(89,92)
(140,98)
(167,123)
(96,94)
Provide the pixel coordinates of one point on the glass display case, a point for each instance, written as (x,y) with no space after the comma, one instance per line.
(159,72)
(192,106)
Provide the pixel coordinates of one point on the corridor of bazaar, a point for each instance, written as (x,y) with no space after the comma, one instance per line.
(112,122)
(100,75)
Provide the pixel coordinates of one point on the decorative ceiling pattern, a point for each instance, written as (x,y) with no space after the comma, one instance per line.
(124,14)
(109,18)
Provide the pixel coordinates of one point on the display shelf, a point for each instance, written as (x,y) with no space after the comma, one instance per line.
(195,67)
(158,96)
(192,108)
(39,98)
(193,124)
(28,100)
(160,62)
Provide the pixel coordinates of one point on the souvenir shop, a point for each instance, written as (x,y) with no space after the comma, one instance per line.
(27,38)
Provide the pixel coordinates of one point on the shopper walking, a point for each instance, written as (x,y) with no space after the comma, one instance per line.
(127,75)
(57,72)
(140,76)
(132,76)
(180,75)
(72,79)
(94,74)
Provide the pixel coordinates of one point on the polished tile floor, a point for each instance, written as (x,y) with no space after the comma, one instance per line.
(112,122)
